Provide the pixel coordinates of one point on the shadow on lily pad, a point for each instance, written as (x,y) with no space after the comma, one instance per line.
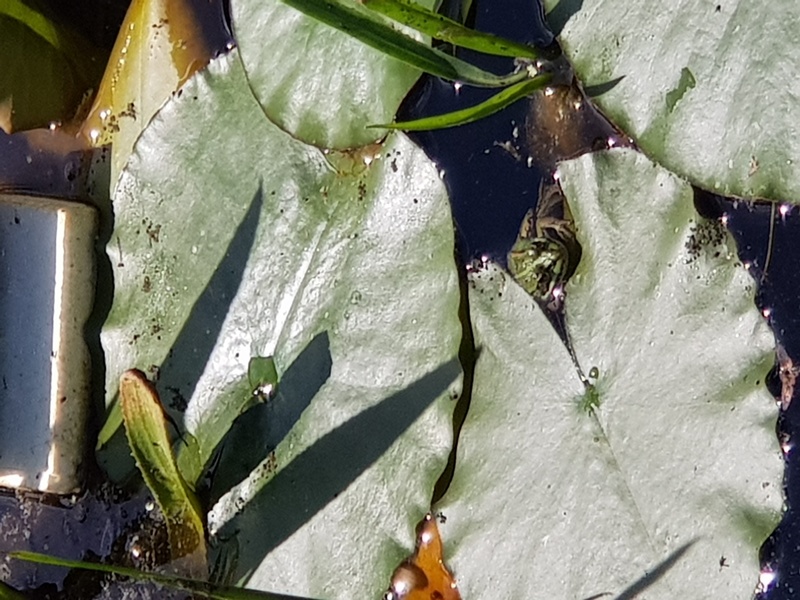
(328,467)
(257,431)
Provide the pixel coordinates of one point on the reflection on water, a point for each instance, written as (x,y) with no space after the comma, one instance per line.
(103,523)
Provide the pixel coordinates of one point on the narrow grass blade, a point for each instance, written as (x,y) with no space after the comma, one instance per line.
(467,115)
(367,26)
(200,589)
(441,28)
(9,593)
(150,444)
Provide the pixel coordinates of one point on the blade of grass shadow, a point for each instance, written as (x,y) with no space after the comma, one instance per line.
(325,469)
(187,358)
(563,12)
(593,91)
(641,584)
(256,432)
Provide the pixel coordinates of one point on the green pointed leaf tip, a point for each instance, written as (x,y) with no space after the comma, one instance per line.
(262,374)
(439,27)
(734,130)
(292,249)
(325,92)
(676,452)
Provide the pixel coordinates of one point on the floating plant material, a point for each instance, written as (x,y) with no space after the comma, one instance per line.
(423,575)
(146,428)
(787,371)
(263,377)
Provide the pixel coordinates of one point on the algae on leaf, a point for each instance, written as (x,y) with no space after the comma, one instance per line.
(676,467)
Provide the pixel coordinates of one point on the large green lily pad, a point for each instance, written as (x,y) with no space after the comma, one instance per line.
(341,266)
(707,89)
(319,84)
(673,481)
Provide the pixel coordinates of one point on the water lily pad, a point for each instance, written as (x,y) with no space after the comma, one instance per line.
(319,84)
(233,240)
(670,479)
(701,86)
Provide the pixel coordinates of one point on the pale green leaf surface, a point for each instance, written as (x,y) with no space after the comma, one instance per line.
(709,94)
(550,501)
(317,83)
(222,254)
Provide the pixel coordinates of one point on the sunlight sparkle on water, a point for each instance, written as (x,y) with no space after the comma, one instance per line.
(786,443)
(766,578)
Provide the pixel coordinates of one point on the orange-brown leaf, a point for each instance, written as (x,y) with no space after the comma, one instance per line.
(423,575)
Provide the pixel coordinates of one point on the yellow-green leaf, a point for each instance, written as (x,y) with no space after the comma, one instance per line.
(151,446)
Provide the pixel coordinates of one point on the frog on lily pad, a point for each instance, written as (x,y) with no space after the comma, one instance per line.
(546,251)
(544,256)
